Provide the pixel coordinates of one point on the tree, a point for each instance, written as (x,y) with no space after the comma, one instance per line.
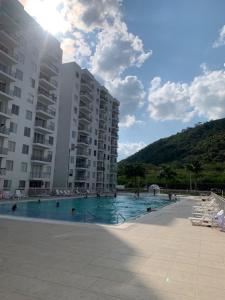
(135,171)
(167,173)
(194,168)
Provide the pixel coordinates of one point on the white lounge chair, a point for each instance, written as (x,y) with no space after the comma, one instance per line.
(19,194)
(204,220)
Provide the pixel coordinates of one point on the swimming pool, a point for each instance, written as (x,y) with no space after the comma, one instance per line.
(104,210)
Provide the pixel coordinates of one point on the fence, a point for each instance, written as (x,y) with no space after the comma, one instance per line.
(219,200)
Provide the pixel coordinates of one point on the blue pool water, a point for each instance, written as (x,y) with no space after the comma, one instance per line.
(105,210)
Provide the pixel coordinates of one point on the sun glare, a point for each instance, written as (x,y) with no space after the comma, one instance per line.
(47,15)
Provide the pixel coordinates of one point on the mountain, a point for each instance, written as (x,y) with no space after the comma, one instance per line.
(204,142)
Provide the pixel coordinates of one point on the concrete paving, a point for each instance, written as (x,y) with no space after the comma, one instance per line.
(161,256)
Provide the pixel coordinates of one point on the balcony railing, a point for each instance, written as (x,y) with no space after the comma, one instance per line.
(2,171)
(44,126)
(42,142)
(82,152)
(39,175)
(48,95)
(6,70)
(41,158)
(82,165)
(5,110)
(4,130)
(46,110)
(80,177)
(83,140)
(8,52)
(3,150)
(85,116)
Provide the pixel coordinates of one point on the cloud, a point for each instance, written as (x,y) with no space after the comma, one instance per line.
(68,47)
(127,149)
(130,92)
(128,121)
(221,39)
(117,50)
(204,96)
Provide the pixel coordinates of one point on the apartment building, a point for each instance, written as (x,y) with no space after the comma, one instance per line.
(86,152)
(30,62)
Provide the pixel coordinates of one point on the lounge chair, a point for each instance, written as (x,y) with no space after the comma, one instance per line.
(204,220)
(19,194)
(8,195)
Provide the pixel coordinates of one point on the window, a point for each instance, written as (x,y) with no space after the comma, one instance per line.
(89,151)
(33,67)
(20,57)
(72,146)
(51,140)
(25,149)
(7,184)
(19,74)
(13,127)
(75,110)
(30,98)
(77,74)
(15,109)
(28,115)
(9,165)
(95,142)
(71,172)
(17,92)
(95,153)
(93,175)
(11,146)
(32,82)
(22,184)
(73,134)
(27,131)
(72,159)
(23,167)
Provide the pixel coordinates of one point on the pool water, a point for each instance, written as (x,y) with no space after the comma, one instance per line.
(105,210)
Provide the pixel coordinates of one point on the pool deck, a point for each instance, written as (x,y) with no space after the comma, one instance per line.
(160,256)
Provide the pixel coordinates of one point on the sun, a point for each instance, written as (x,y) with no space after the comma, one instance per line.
(47,14)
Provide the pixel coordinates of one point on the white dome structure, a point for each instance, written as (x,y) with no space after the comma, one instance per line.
(154,189)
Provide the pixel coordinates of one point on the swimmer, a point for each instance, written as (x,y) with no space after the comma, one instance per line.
(57,204)
(39,200)
(14,207)
(73,210)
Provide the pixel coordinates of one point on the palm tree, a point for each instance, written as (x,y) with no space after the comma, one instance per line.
(167,173)
(194,168)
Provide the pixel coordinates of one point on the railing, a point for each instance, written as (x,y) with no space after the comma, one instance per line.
(3,150)
(121,216)
(82,152)
(13,36)
(43,142)
(86,117)
(41,158)
(4,130)
(82,165)
(80,178)
(6,70)
(83,93)
(39,175)
(8,52)
(52,97)
(5,90)
(83,128)
(45,109)
(219,200)
(52,66)
(52,82)
(5,110)
(40,124)
(84,141)
(2,171)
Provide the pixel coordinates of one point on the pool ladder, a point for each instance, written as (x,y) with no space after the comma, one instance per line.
(121,216)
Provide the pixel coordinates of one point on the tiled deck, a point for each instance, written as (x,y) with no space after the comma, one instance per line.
(161,256)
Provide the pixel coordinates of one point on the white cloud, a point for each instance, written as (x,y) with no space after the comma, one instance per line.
(204,96)
(221,39)
(127,149)
(117,50)
(68,47)
(128,121)
(129,91)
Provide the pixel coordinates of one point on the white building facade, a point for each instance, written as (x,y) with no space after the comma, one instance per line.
(86,152)
(30,62)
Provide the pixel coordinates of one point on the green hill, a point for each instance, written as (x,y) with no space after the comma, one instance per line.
(205,142)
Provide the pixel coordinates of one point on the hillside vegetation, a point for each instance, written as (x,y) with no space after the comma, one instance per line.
(204,143)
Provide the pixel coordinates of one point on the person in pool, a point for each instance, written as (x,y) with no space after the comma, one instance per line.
(57,204)
(14,207)
(73,210)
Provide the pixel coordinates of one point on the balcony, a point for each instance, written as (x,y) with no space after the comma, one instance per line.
(39,175)
(46,97)
(85,87)
(102,137)
(7,56)
(4,111)
(44,128)
(83,141)
(82,152)
(8,21)
(86,96)
(102,117)
(85,108)
(4,131)
(42,143)
(3,151)
(40,159)
(47,83)
(6,75)
(2,171)
(82,165)
(85,117)
(49,69)
(8,38)
(84,129)
(5,93)
(79,177)
(45,112)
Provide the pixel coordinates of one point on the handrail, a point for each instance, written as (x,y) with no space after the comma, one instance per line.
(120,215)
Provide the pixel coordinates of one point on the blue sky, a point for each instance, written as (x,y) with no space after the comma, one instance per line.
(164,60)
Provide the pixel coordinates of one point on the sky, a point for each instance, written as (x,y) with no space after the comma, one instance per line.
(164,60)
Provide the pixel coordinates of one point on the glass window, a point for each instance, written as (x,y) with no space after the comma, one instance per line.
(15,109)
(33,67)
(25,149)
(27,131)
(9,165)
(32,82)
(20,57)
(7,184)
(13,127)
(30,98)
(51,140)
(11,146)
(23,167)
(19,74)
(22,184)
(28,115)
(73,134)
(17,92)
